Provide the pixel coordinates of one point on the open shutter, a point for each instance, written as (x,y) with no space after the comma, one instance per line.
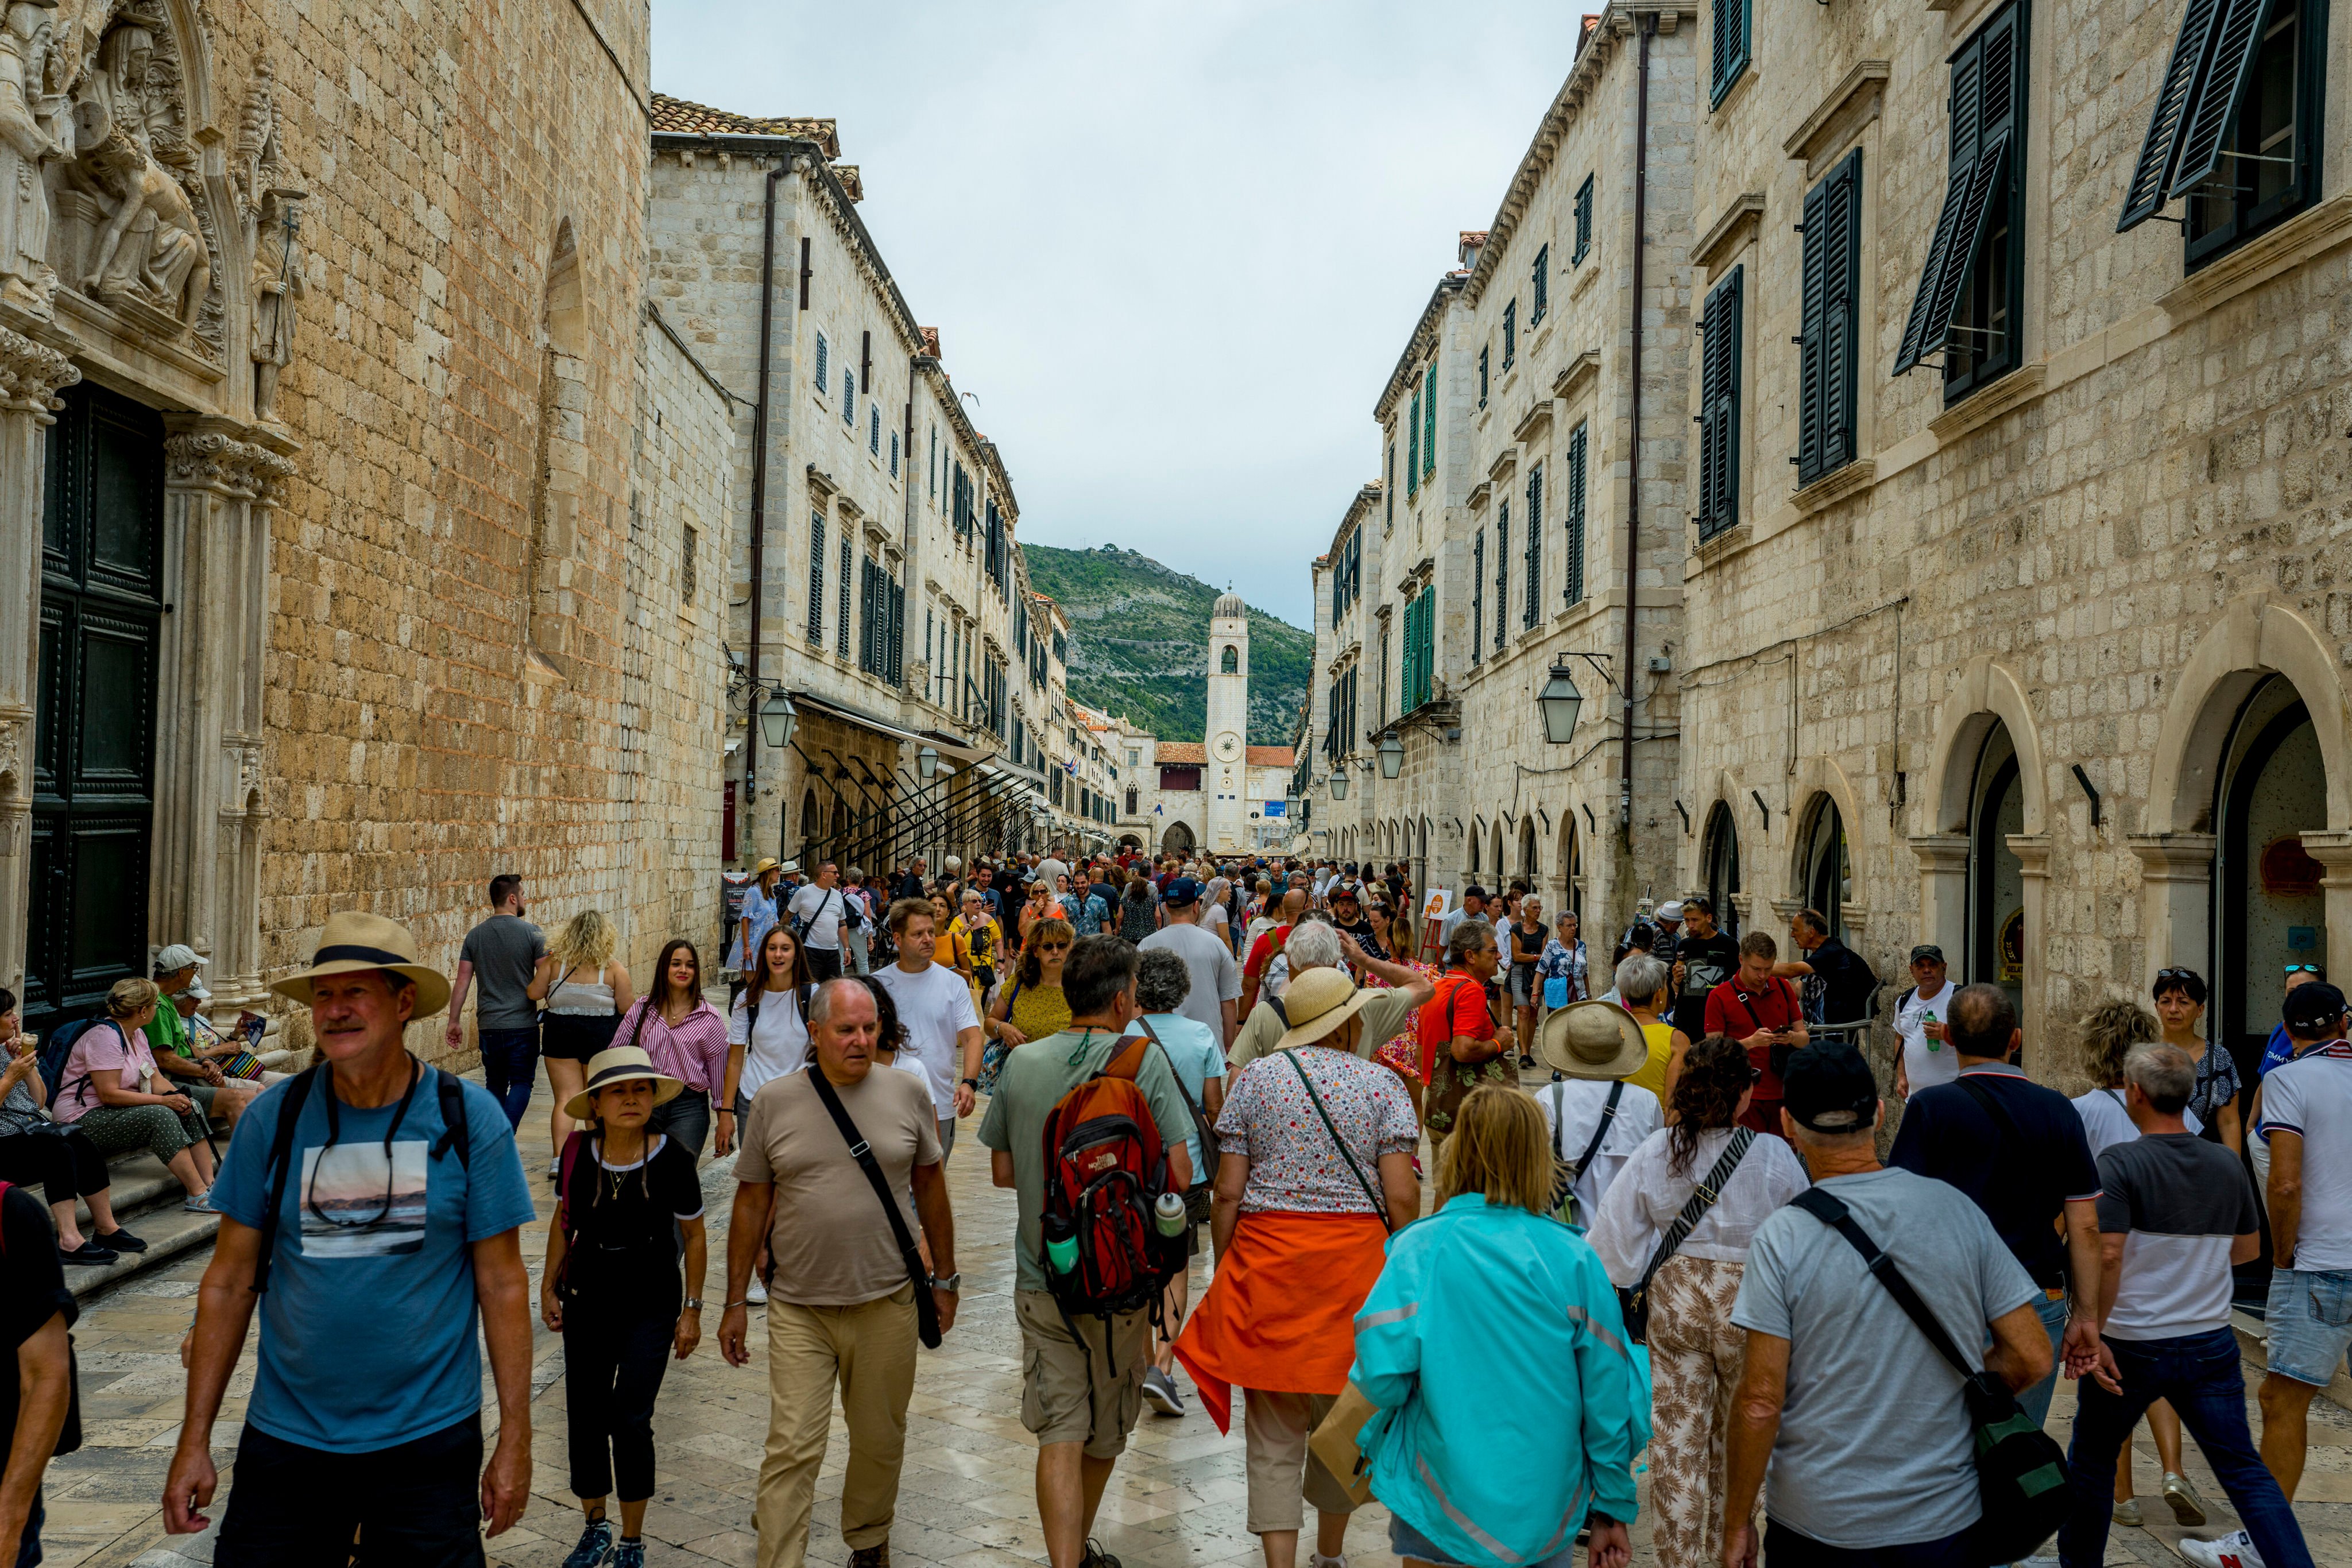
(1984,118)
(1412,446)
(2159,150)
(1477,596)
(816,578)
(2206,132)
(1719,408)
(1502,570)
(1728,54)
(1573,567)
(1811,362)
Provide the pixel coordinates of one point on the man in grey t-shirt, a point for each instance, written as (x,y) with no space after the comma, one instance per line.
(1869,1438)
(1216,978)
(502,954)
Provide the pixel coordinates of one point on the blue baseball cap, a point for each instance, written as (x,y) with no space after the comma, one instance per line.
(1181,893)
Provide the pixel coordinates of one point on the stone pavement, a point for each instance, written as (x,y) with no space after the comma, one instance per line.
(1176,1501)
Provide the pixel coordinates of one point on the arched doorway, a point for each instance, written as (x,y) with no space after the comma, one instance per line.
(1497,860)
(1477,836)
(1824,869)
(2270,910)
(1720,866)
(1177,839)
(1571,869)
(1996,924)
(1527,851)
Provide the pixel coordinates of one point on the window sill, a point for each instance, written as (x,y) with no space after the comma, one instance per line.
(1711,553)
(1989,401)
(1741,85)
(2307,233)
(1852,479)
(1582,283)
(1576,374)
(1479,494)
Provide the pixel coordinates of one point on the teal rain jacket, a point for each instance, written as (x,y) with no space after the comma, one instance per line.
(1496,1446)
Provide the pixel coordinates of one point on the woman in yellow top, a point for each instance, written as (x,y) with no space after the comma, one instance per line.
(974,942)
(1642,989)
(1031,1007)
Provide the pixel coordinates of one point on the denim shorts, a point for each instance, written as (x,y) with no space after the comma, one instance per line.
(1407,1542)
(2310,1320)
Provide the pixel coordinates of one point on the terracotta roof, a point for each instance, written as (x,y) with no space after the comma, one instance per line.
(1270,757)
(1184,751)
(679,116)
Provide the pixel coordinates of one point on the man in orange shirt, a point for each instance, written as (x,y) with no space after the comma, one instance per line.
(1455,1029)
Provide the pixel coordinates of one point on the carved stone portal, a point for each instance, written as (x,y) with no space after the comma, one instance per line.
(31,137)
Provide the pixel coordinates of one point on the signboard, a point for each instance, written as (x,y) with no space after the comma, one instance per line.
(1439,903)
(731,885)
(1278,808)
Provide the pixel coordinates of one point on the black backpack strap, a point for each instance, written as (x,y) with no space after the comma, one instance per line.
(926,1309)
(456,1134)
(2004,1125)
(281,1156)
(1702,1198)
(1608,1114)
(1836,1215)
(1378,1206)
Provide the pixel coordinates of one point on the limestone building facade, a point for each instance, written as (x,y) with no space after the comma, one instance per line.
(348,484)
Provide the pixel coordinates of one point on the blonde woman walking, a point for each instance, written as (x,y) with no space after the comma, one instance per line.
(586,991)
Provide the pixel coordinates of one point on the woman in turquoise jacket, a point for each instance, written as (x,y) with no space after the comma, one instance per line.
(1494,1453)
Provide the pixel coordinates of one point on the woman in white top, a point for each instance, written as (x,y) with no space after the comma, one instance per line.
(586,991)
(1695,1352)
(767,1029)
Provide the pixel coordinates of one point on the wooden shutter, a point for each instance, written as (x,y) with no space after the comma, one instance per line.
(816,578)
(1542,278)
(1412,446)
(2160,149)
(2231,50)
(1832,264)
(1719,408)
(1502,570)
(1429,425)
(1534,610)
(1477,595)
(1728,56)
(1986,77)
(1483,351)
(1573,567)
(841,627)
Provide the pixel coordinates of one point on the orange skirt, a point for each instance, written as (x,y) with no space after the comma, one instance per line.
(1280,1312)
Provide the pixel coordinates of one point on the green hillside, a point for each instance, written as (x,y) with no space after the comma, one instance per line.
(1140,643)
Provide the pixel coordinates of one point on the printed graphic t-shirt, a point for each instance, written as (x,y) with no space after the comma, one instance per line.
(357,1234)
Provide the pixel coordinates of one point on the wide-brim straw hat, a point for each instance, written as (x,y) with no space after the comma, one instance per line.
(620,1064)
(1318,1002)
(766,863)
(1592,1039)
(354,942)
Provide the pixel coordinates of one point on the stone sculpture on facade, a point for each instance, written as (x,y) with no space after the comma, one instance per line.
(276,283)
(29,139)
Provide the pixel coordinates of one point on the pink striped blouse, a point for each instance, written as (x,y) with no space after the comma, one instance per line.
(695,1052)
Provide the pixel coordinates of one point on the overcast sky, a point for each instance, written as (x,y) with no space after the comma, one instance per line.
(1173,245)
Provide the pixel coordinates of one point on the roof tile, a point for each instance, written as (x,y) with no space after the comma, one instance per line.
(679,116)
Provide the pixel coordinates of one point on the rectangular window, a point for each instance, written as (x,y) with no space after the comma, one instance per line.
(1477,595)
(894,454)
(1718,404)
(932,469)
(816,579)
(1483,352)
(1384,675)
(1510,333)
(873,428)
(685,565)
(1502,572)
(1573,567)
(1832,288)
(841,627)
(1413,447)
(1584,223)
(1534,610)
(1540,279)
(1727,53)
(1429,425)
(824,384)
(2264,165)
(1972,288)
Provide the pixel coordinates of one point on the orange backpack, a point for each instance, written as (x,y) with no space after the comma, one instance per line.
(1105,1170)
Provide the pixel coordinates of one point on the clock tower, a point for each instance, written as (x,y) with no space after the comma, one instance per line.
(1224,778)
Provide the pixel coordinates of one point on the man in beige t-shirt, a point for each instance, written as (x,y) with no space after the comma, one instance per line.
(841,1304)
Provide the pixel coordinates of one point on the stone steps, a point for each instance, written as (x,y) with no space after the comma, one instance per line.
(147,1200)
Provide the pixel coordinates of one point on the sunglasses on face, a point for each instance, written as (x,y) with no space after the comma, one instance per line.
(2302,969)
(1053,947)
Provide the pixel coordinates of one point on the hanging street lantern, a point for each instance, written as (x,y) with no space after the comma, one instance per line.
(928,761)
(1561,702)
(1392,756)
(1340,782)
(777,717)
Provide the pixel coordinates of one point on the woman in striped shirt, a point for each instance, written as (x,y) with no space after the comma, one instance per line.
(687,1037)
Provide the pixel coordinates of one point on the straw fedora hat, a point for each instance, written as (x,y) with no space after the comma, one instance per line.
(766,863)
(1592,1039)
(1318,1002)
(353,942)
(619,1064)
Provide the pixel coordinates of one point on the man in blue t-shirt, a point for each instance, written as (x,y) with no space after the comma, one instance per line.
(392,1231)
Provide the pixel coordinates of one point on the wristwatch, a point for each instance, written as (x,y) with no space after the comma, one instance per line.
(972,1082)
(693,1303)
(948,1283)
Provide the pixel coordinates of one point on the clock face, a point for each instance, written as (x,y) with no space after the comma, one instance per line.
(1229,746)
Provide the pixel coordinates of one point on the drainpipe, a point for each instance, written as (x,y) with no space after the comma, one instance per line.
(760,475)
(1633,510)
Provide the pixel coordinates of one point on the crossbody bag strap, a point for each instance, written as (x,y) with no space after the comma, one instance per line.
(1702,1198)
(1207,1135)
(1608,1114)
(863,1153)
(1338,1143)
(1826,1209)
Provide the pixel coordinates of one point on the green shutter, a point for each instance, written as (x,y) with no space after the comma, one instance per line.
(1719,505)
(1413,447)
(1728,56)
(2159,150)
(1429,425)
(1832,282)
(1573,567)
(1987,77)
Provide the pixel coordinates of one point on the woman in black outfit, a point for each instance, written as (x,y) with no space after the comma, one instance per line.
(613,1288)
(59,1159)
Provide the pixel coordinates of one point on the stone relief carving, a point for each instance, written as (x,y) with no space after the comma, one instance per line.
(210,459)
(277,283)
(30,138)
(31,374)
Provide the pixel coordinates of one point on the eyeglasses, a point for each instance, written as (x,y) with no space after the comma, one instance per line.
(1053,947)
(2164,974)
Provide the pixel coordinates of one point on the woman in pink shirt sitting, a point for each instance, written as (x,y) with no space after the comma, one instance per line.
(687,1037)
(108,1091)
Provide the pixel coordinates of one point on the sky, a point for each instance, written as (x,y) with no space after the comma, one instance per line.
(1174,246)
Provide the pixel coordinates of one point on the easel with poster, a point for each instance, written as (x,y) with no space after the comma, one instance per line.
(1433,910)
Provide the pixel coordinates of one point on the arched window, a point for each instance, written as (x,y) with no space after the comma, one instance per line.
(1996,876)
(809,820)
(1824,866)
(561,457)
(1474,836)
(1230,663)
(1719,867)
(1528,849)
(2273,911)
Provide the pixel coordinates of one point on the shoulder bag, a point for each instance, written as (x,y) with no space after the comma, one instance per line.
(927,1309)
(1564,1207)
(1635,1303)
(799,923)
(1445,1012)
(2021,1471)
(1200,1196)
(1379,1205)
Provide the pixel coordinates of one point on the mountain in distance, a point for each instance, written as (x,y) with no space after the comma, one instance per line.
(1140,643)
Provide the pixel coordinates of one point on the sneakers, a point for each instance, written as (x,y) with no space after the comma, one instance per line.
(88,1253)
(2235,1549)
(1525,1061)
(1160,1392)
(2187,1508)
(871,1556)
(595,1546)
(758,1294)
(2128,1512)
(629,1554)
(119,1241)
(1096,1557)
(1320,1560)
(201,1203)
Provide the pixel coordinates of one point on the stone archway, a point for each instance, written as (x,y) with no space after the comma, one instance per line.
(1177,839)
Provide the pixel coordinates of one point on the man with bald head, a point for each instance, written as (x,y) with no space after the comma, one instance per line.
(841,1300)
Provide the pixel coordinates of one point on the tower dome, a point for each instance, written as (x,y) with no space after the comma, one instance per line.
(1230,603)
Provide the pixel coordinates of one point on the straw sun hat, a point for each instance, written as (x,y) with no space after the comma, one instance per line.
(1592,1039)
(619,1064)
(1318,1002)
(354,942)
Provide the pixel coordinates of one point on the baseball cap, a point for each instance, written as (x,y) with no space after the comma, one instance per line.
(2313,1005)
(178,955)
(1671,909)
(1830,1088)
(1927,952)
(1181,893)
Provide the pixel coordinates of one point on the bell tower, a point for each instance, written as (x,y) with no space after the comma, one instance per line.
(1225,778)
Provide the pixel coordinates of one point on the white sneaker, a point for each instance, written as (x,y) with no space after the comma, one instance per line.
(2235,1549)
(758,1294)
(1322,1561)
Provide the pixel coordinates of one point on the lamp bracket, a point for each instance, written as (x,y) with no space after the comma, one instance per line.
(1598,661)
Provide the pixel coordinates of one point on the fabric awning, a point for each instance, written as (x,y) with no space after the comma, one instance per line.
(810,702)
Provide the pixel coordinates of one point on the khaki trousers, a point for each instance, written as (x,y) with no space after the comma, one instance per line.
(869,1351)
(1283,1473)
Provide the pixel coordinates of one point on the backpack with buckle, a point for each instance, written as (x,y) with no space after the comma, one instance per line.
(1105,1170)
(1564,1207)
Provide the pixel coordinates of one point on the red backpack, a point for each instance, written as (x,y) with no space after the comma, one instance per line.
(1105,1169)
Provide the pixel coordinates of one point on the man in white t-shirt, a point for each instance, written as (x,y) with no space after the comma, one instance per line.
(1926,1059)
(820,903)
(934,1003)
(1595,1045)
(1216,978)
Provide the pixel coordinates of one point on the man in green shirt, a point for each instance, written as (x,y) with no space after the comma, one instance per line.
(174,1047)
(1081,1418)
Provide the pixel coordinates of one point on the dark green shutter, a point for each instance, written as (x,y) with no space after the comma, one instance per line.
(2160,149)
(1477,595)
(1719,408)
(1502,570)
(1986,79)
(1583,220)
(2205,134)
(1542,277)
(1833,266)
(816,578)
(1429,425)
(1412,446)
(1573,567)
(1534,608)
(1728,53)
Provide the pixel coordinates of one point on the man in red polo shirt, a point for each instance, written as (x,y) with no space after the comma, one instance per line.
(1761,1012)
(1264,950)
